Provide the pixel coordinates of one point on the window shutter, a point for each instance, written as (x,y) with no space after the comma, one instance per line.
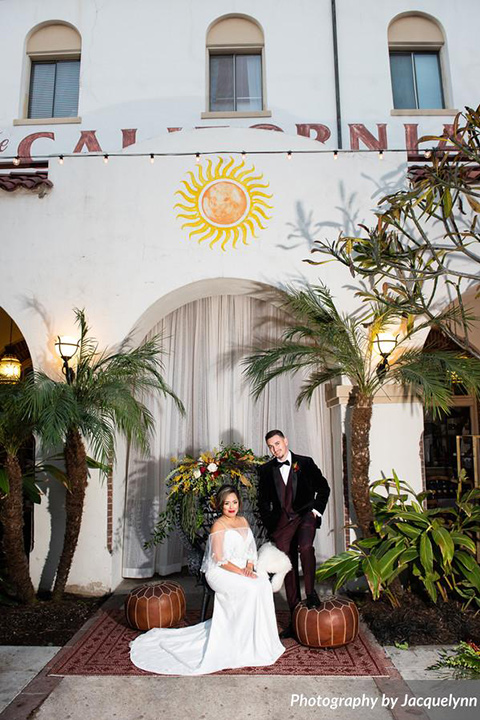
(66,89)
(42,87)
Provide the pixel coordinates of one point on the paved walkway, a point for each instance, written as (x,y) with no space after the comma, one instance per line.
(34,695)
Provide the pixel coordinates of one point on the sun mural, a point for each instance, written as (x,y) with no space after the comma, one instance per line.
(224,203)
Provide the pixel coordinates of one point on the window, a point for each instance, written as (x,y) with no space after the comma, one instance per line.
(236,82)
(235,67)
(54,89)
(416,80)
(415,44)
(54,54)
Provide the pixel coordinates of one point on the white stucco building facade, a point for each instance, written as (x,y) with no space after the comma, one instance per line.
(134,241)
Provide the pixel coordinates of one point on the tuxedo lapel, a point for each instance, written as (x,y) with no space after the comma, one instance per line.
(279,484)
(294,477)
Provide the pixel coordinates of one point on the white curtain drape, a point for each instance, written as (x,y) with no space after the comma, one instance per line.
(205,341)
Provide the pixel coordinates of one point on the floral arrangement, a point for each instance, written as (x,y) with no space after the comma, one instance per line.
(465,660)
(193,483)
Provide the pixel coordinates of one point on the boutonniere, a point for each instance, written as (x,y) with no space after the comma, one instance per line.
(296,467)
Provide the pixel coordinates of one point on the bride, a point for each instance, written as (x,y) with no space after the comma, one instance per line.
(243,630)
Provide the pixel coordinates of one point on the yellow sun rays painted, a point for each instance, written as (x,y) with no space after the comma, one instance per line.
(223,203)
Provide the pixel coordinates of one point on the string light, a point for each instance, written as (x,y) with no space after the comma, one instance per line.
(427,153)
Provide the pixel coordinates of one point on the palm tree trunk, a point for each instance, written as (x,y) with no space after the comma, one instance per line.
(77,474)
(11,513)
(361,419)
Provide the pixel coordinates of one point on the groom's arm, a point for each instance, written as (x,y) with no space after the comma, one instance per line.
(319,486)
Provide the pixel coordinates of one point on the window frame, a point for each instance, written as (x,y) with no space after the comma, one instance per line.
(412,51)
(235,48)
(234,54)
(49,60)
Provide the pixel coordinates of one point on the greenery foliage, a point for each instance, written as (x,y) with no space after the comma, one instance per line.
(464,660)
(425,240)
(431,549)
(193,483)
(328,344)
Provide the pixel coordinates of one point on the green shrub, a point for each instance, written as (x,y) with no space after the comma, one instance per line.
(414,546)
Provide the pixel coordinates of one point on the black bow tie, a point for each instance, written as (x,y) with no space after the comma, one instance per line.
(285,462)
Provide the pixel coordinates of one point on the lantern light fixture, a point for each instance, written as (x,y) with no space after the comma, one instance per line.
(10,365)
(66,347)
(386,344)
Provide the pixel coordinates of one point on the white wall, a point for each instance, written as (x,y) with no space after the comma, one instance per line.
(107,237)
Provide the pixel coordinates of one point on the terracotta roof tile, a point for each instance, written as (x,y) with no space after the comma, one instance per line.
(29,181)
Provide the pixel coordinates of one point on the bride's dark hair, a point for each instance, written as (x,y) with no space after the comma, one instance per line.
(222,493)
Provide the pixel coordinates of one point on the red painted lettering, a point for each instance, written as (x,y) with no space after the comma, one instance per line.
(266,126)
(89,140)
(129,137)
(358,131)
(322,131)
(24,150)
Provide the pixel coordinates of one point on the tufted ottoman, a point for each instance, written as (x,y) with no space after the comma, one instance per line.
(159,605)
(332,624)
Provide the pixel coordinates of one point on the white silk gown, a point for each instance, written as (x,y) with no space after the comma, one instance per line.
(242,631)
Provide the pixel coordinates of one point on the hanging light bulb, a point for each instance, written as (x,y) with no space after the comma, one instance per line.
(244,154)
(60,159)
(289,155)
(428,154)
(335,154)
(16,161)
(105,159)
(152,158)
(380,155)
(197,157)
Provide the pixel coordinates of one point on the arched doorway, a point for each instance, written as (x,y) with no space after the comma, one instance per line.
(205,340)
(15,358)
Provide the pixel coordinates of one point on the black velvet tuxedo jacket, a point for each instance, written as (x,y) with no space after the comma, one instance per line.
(310,490)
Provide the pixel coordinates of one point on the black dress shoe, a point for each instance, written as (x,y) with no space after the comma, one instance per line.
(287,633)
(313,601)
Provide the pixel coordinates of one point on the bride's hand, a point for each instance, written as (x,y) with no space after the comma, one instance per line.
(248,572)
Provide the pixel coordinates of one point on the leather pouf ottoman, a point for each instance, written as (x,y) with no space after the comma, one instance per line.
(331,625)
(161,605)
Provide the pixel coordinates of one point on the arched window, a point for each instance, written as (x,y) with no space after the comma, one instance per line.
(415,43)
(235,48)
(54,54)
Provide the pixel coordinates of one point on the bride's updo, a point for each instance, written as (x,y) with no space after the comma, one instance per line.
(222,493)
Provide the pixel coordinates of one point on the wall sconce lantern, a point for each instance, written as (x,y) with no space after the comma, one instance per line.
(66,347)
(386,344)
(10,365)
(10,368)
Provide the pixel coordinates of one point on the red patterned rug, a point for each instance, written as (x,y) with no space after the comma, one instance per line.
(104,650)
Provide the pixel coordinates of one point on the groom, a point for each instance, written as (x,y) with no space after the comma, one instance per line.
(292,495)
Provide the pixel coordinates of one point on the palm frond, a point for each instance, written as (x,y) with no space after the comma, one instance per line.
(432,375)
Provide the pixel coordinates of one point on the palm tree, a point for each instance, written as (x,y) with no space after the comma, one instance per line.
(326,344)
(99,401)
(15,431)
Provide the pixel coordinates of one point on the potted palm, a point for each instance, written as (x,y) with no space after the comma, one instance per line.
(99,402)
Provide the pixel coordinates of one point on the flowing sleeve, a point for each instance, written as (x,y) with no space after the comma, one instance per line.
(214,554)
(251,548)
